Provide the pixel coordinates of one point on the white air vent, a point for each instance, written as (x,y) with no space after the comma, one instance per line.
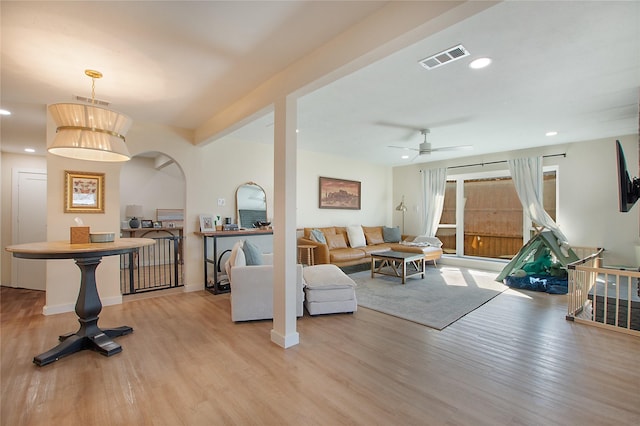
(445,57)
(89,101)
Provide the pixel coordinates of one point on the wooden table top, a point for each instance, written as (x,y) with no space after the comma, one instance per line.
(64,249)
(398,255)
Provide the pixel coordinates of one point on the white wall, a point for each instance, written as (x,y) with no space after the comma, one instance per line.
(375,187)
(589,199)
(232,164)
(587,196)
(141,183)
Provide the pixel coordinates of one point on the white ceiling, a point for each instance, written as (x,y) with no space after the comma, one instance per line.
(573,67)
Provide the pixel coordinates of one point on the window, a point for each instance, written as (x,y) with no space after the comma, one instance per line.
(483,217)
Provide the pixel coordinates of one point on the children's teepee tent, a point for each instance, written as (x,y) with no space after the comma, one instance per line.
(539,257)
(541,263)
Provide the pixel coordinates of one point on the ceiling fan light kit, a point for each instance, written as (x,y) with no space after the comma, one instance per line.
(425,147)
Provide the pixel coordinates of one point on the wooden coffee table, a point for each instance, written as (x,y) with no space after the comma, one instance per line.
(394,263)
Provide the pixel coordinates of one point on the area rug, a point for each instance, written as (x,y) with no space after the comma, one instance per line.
(445,295)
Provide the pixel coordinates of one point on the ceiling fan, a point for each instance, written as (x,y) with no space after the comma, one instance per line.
(425,147)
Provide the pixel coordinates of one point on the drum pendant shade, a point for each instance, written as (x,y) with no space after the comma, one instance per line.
(88,132)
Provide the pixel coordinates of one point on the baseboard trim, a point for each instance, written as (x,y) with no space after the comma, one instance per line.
(192,287)
(285,341)
(109,301)
(466,262)
(70,307)
(58,309)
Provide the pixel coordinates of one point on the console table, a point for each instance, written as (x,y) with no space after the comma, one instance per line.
(88,304)
(215,287)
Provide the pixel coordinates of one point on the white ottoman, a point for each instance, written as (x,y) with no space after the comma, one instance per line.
(328,290)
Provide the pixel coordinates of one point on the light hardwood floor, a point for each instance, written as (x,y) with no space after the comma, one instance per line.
(513,361)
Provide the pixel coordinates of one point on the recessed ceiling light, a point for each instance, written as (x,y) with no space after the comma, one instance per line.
(480,63)
(552,133)
(404,157)
(29,150)
(5,112)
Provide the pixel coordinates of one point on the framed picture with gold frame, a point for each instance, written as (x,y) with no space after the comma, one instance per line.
(83,192)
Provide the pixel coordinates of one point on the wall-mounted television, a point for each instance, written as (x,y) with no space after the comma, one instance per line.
(628,188)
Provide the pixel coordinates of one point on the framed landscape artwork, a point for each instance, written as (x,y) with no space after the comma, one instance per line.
(339,194)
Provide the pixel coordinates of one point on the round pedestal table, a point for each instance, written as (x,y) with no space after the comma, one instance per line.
(88,304)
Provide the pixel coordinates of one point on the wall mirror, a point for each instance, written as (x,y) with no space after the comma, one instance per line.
(251,203)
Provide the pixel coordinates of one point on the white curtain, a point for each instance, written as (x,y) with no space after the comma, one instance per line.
(433,186)
(527,177)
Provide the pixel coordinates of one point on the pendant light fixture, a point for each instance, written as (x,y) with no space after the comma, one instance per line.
(88,132)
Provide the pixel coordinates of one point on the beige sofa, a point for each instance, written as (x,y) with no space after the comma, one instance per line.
(338,248)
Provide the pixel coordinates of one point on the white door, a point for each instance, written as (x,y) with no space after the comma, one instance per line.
(29,225)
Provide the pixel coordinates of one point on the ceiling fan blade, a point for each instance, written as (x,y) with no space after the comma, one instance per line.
(402,147)
(433,124)
(410,130)
(453,148)
(413,129)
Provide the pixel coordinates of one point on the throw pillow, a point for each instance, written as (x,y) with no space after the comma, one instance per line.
(240,257)
(330,230)
(252,253)
(317,236)
(336,241)
(374,236)
(234,252)
(391,235)
(356,236)
(235,259)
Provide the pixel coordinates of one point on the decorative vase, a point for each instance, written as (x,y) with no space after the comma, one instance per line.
(134,223)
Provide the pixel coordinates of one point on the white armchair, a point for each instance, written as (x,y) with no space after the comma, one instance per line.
(252,291)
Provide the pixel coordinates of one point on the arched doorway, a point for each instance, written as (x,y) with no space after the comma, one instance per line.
(152,186)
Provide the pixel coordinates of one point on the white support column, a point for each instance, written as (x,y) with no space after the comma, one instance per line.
(284,223)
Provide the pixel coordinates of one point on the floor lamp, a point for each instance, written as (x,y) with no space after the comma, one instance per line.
(402,208)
